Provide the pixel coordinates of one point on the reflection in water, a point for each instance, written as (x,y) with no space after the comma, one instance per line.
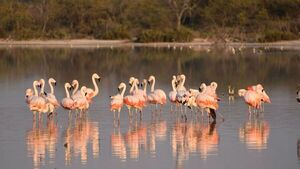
(255,133)
(78,137)
(129,144)
(191,137)
(42,141)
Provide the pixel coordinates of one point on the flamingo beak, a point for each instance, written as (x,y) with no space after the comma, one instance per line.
(99,79)
(26,96)
(54,83)
(85,94)
(148,82)
(130,84)
(119,89)
(45,93)
(70,88)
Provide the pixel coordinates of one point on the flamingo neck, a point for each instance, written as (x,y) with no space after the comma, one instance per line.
(145,87)
(51,87)
(35,90)
(173,85)
(76,88)
(43,87)
(96,91)
(183,81)
(67,92)
(123,91)
(152,85)
(131,88)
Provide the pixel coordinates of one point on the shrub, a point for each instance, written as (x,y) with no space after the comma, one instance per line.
(182,35)
(276,35)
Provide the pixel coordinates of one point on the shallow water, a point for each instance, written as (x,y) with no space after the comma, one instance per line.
(270,140)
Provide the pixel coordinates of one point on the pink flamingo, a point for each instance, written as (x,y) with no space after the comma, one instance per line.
(131,101)
(157,96)
(251,97)
(141,94)
(173,93)
(210,90)
(38,103)
(67,102)
(117,100)
(208,103)
(50,97)
(90,93)
(81,101)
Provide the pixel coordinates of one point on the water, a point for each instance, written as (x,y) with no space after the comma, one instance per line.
(269,141)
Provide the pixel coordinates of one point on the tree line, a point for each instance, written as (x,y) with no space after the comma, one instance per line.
(151,20)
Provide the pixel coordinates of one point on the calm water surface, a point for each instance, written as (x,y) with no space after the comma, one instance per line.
(269,141)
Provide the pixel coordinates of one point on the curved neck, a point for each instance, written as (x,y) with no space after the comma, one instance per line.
(51,87)
(76,88)
(96,91)
(35,90)
(173,85)
(183,81)
(152,85)
(67,92)
(42,89)
(123,91)
(131,88)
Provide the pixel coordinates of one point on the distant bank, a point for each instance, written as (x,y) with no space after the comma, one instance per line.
(89,43)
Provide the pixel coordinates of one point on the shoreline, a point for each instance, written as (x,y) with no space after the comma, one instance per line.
(89,43)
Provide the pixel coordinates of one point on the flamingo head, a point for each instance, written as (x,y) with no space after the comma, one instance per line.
(51,80)
(242,92)
(96,76)
(214,85)
(28,93)
(202,87)
(265,97)
(121,86)
(75,83)
(68,86)
(151,79)
(131,80)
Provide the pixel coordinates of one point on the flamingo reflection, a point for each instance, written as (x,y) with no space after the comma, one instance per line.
(78,137)
(255,133)
(41,141)
(192,137)
(130,144)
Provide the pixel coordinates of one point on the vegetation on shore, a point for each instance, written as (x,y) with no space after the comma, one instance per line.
(151,20)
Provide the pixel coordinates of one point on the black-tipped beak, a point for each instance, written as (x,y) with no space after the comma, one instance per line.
(55,84)
(141,84)
(130,84)
(26,96)
(70,88)
(119,89)
(200,89)
(189,107)
(39,86)
(45,93)
(184,102)
(148,82)
(85,94)
(99,79)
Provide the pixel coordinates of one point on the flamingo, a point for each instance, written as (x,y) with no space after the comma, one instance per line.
(263,95)
(251,97)
(81,101)
(38,103)
(76,93)
(210,90)
(50,97)
(173,93)
(67,102)
(90,92)
(131,101)
(208,103)
(141,94)
(117,100)
(156,96)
